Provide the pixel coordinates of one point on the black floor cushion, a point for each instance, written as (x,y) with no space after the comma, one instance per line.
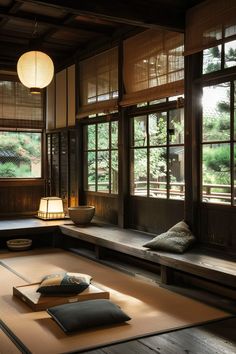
(87,314)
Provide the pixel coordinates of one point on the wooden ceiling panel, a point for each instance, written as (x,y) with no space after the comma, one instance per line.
(74,37)
(23,27)
(43,10)
(5,2)
(92,20)
(67,27)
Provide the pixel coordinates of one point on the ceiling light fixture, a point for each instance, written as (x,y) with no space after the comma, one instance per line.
(35,69)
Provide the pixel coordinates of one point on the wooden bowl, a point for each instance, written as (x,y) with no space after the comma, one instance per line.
(82,214)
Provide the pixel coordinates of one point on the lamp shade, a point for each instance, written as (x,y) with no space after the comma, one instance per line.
(35,70)
(51,208)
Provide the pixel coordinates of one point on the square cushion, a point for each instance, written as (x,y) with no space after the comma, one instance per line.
(177,239)
(64,283)
(86,314)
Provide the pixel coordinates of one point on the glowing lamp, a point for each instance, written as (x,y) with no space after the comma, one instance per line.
(51,208)
(35,70)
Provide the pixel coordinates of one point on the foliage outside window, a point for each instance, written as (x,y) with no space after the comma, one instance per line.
(218,143)
(101,157)
(20,155)
(157,154)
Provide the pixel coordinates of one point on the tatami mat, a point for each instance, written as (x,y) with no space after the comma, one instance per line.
(152,309)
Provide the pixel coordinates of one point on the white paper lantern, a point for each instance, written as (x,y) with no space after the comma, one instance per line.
(35,70)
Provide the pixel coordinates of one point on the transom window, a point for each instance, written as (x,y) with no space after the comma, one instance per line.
(157,154)
(101,157)
(221,56)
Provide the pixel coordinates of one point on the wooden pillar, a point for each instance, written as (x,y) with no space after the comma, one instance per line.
(123,150)
(193,64)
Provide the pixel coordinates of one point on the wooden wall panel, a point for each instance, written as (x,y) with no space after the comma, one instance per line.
(50,106)
(71,95)
(106,206)
(218,227)
(73,168)
(64,169)
(154,215)
(20,197)
(61,99)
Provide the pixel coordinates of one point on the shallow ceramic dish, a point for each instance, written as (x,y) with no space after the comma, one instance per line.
(20,244)
(82,214)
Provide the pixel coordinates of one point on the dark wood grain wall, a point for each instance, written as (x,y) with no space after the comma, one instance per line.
(154,215)
(20,197)
(218,227)
(106,206)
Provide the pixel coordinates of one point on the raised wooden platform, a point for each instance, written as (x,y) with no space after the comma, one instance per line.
(203,264)
(207,264)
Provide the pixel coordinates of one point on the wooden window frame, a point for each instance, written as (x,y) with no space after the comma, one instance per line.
(146,110)
(96,121)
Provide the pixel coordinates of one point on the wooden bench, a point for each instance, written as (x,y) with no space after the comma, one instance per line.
(207,264)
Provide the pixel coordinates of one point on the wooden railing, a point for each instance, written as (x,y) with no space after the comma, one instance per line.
(158,189)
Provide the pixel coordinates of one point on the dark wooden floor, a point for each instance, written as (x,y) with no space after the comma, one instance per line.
(214,338)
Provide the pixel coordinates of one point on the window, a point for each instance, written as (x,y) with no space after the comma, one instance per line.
(221,56)
(20,154)
(218,143)
(101,157)
(157,154)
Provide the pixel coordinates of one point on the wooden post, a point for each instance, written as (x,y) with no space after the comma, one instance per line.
(166,275)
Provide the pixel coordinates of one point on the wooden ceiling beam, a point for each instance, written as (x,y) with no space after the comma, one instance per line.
(27,18)
(123,12)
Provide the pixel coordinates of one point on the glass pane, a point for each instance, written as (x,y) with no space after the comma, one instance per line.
(230,54)
(114,172)
(176,161)
(103,171)
(211,59)
(179,98)
(138,165)
(20,155)
(139,131)
(157,176)
(161,100)
(216,173)
(230,31)
(90,171)
(103,136)
(176,126)
(114,135)
(216,112)
(157,128)
(90,137)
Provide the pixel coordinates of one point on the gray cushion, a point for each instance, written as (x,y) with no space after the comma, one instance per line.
(86,314)
(177,239)
(64,283)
